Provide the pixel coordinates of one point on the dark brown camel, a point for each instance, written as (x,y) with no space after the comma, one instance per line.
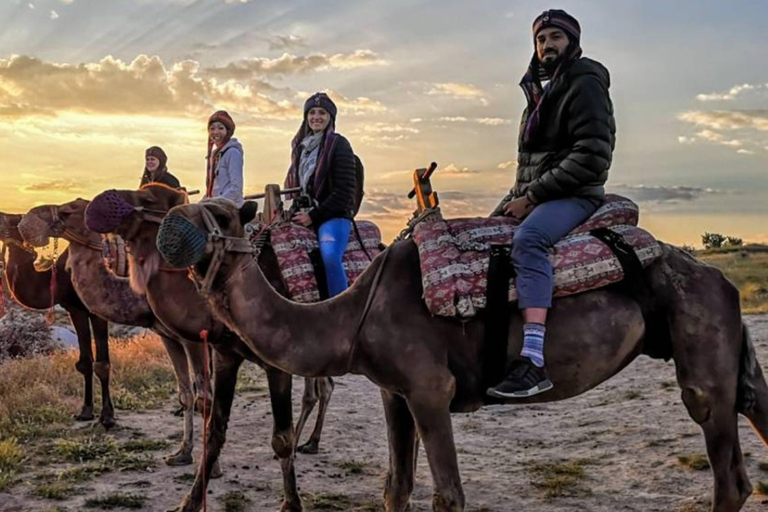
(110,297)
(174,300)
(32,289)
(428,366)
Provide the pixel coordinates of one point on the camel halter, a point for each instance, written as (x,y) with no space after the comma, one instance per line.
(222,244)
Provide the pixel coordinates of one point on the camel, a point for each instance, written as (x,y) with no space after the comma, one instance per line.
(427,367)
(174,300)
(111,298)
(32,289)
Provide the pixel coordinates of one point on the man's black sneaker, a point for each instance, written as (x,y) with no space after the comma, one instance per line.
(523,380)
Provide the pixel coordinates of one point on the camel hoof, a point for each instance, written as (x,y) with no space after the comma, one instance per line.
(107,421)
(310,448)
(216,472)
(86,414)
(291,507)
(180,458)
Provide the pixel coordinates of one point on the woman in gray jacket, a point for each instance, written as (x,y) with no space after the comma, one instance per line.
(224,176)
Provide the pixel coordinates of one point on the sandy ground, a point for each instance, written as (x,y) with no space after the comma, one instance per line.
(628,433)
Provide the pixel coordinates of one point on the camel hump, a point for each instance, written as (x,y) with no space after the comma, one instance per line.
(454,256)
(298,257)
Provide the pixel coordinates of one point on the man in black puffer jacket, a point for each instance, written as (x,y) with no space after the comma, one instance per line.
(567,136)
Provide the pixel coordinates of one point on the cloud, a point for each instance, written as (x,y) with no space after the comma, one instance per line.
(385,128)
(731,95)
(67,1)
(53,186)
(288,64)
(728,119)
(510,164)
(54,15)
(355,106)
(383,204)
(286,42)
(657,193)
(745,152)
(145,85)
(454,170)
(458,91)
(488,121)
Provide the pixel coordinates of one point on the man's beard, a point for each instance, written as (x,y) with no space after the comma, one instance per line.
(550,65)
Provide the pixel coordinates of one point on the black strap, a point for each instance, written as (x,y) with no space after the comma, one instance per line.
(360,240)
(657,343)
(497,315)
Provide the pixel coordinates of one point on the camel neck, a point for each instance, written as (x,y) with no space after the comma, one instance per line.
(310,340)
(28,286)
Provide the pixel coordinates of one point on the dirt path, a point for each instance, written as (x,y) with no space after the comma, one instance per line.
(615,448)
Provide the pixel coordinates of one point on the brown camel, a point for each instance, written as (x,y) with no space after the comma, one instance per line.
(173,298)
(428,366)
(111,298)
(32,289)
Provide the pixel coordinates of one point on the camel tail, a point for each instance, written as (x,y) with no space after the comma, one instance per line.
(749,375)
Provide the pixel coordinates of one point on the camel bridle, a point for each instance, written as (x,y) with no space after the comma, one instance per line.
(220,244)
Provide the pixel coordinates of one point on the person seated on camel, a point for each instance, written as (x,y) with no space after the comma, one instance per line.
(224,161)
(323,166)
(566,141)
(155,169)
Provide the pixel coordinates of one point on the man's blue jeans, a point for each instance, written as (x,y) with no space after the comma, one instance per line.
(547,223)
(333,236)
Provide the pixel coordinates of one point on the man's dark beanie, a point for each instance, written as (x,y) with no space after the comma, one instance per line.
(157,152)
(320,99)
(558,18)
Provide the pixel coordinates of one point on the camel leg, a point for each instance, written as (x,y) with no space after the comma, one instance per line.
(283,441)
(225,367)
(429,405)
(196,356)
(758,414)
(102,369)
(401,433)
(178,355)
(308,401)
(323,391)
(707,352)
(84,364)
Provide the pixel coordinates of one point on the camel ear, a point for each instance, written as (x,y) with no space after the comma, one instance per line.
(67,208)
(248,211)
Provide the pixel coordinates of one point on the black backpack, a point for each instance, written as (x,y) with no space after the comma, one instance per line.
(359,181)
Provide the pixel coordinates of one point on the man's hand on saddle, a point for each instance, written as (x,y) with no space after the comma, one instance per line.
(303,219)
(518,208)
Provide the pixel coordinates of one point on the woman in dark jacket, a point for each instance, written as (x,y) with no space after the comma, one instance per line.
(155,170)
(323,166)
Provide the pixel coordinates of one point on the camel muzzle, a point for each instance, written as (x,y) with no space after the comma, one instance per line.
(106,212)
(34,230)
(180,242)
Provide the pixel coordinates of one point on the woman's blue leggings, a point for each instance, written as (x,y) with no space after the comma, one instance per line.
(333,236)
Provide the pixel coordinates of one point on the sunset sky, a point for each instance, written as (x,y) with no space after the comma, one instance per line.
(87,85)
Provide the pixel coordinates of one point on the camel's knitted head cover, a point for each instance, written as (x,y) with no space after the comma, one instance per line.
(106,212)
(181,243)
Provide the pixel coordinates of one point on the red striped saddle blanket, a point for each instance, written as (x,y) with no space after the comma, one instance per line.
(454,256)
(294,244)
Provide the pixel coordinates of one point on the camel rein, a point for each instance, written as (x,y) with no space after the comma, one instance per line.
(367,308)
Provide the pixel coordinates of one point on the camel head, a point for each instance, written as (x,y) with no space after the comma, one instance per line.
(135,215)
(58,221)
(9,227)
(208,236)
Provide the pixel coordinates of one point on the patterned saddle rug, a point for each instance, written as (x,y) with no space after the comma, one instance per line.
(455,253)
(296,247)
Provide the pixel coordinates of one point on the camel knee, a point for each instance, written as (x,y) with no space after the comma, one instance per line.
(101,369)
(84,366)
(282,444)
(698,402)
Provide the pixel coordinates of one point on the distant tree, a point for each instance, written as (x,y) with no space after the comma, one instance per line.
(732,241)
(712,240)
